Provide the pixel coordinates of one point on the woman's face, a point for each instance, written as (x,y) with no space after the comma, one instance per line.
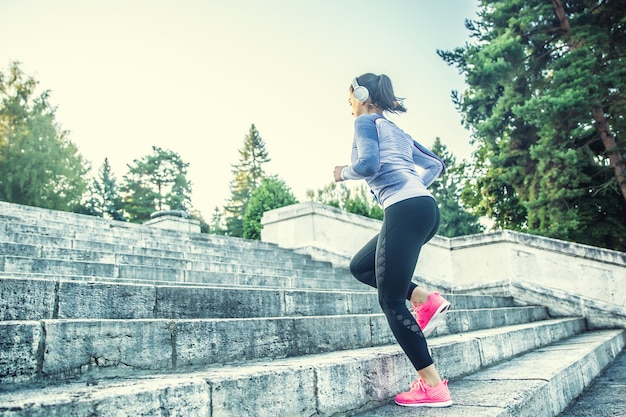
(356,106)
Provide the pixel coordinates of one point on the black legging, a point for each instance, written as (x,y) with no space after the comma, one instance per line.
(387,262)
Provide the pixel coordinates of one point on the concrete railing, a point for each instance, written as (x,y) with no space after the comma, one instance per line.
(174,220)
(476,260)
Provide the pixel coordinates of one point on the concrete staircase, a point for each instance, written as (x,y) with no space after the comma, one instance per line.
(103,318)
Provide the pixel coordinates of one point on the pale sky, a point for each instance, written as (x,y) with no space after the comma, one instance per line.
(191,76)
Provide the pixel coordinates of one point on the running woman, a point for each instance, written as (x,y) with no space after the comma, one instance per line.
(398,170)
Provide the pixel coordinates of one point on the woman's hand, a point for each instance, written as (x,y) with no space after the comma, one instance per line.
(338,170)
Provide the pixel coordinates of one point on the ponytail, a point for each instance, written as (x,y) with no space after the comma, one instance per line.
(381,92)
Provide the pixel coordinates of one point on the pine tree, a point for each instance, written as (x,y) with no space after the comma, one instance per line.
(156,182)
(105,200)
(216,226)
(248,173)
(545,103)
(447,189)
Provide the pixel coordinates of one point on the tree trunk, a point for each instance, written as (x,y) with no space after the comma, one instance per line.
(560,14)
(602,126)
(612,151)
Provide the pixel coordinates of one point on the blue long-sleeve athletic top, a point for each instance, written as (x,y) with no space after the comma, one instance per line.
(395,166)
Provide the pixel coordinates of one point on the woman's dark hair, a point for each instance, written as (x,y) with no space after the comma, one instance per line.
(381,92)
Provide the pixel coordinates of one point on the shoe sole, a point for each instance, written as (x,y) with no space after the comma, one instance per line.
(432,405)
(436,318)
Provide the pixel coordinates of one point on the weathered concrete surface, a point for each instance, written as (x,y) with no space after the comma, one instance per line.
(475,319)
(75,347)
(532,385)
(20,351)
(105,348)
(105,300)
(61,267)
(537,384)
(92,248)
(274,389)
(607,395)
(357,379)
(162,396)
(599,314)
(25,298)
(177,302)
(506,255)
(276,360)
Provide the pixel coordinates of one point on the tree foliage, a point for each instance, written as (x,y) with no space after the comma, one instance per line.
(216,224)
(156,182)
(447,189)
(39,165)
(248,174)
(352,200)
(271,194)
(545,103)
(105,199)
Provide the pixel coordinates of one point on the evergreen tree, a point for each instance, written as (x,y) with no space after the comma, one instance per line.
(545,103)
(39,165)
(248,173)
(216,226)
(358,200)
(273,193)
(204,226)
(105,200)
(455,220)
(156,182)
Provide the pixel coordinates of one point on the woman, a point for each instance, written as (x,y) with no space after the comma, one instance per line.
(398,170)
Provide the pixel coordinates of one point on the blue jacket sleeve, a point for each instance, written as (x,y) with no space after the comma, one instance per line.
(431,165)
(366,150)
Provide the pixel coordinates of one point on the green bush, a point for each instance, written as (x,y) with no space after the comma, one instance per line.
(273,193)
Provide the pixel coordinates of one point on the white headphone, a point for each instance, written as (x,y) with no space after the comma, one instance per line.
(360,93)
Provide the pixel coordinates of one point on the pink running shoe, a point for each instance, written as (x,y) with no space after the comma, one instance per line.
(423,395)
(429,314)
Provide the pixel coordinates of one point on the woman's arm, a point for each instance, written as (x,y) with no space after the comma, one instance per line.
(367,148)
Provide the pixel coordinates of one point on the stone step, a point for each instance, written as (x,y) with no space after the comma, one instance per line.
(227,274)
(538,384)
(162,258)
(34,218)
(156,268)
(63,248)
(31,224)
(113,318)
(213,280)
(130,234)
(151,259)
(24,298)
(606,396)
(42,244)
(104,347)
(320,384)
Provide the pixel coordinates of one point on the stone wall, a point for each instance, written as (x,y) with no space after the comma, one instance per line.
(468,261)
(174,220)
